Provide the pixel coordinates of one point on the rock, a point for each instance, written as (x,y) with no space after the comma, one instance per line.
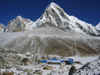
(25,61)
(90,68)
(28,73)
(26,70)
(72,70)
(48,67)
(3,63)
(19,68)
(38,72)
(30,70)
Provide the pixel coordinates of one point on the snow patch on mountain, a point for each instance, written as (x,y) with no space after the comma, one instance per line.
(1,28)
(98,26)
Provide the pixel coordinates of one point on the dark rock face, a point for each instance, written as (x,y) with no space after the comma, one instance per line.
(25,61)
(72,70)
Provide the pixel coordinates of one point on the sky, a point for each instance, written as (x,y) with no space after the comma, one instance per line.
(85,10)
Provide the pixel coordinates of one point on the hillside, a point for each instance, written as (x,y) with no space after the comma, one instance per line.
(50,40)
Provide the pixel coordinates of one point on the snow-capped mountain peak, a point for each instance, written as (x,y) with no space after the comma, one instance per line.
(98,26)
(19,17)
(52,5)
(55,15)
(18,24)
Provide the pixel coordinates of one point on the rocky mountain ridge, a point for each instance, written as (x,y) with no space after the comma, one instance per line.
(55,15)
(1,27)
(18,24)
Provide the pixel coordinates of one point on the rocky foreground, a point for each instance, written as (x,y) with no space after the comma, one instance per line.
(90,68)
(28,64)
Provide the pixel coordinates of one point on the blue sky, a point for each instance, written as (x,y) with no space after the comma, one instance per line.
(86,10)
